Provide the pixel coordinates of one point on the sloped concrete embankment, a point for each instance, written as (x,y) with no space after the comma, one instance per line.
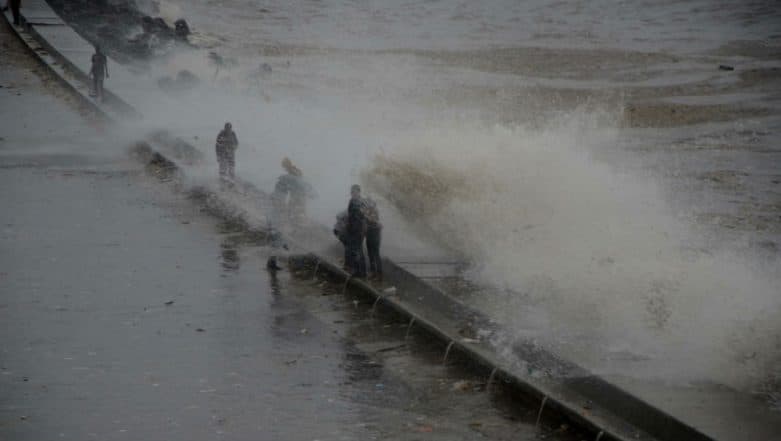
(70,76)
(570,392)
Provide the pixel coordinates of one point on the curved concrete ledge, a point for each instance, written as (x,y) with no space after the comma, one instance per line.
(612,413)
(636,412)
(75,87)
(69,73)
(111,102)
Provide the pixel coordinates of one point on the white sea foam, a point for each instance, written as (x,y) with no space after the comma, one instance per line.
(589,260)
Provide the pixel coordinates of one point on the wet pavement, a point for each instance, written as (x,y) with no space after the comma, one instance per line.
(128,313)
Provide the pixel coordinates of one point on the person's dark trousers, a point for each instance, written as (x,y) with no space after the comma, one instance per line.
(345,257)
(97,84)
(373,239)
(15,4)
(355,260)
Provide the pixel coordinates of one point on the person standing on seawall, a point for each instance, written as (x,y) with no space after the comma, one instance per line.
(289,196)
(98,72)
(355,232)
(227,143)
(373,238)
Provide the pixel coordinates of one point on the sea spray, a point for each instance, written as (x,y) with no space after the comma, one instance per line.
(584,258)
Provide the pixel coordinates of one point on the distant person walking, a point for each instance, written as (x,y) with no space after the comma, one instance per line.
(355,261)
(226,146)
(14,5)
(373,237)
(98,72)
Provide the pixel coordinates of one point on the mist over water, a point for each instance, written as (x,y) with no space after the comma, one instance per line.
(326,137)
(577,254)
(590,261)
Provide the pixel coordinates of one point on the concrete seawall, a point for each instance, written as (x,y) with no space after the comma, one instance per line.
(594,404)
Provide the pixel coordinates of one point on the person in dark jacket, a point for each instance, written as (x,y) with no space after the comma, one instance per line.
(98,71)
(14,5)
(355,261)
(373,237)
(226,146)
